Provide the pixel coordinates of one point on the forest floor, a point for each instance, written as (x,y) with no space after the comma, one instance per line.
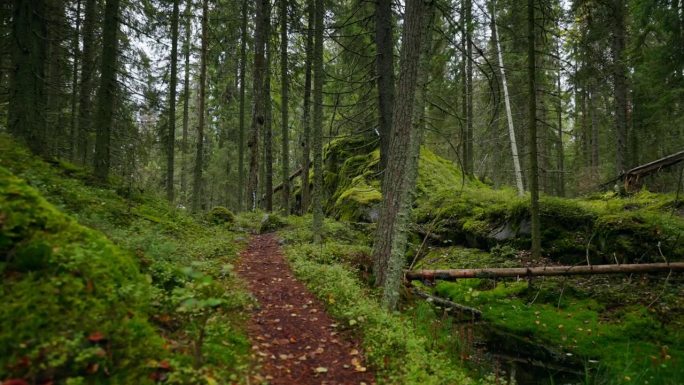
(294,339)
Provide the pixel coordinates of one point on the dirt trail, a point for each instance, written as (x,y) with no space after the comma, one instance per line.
(293,337)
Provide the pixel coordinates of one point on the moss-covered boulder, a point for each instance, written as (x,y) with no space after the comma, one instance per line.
(74,305)
(453,209)
(270,222)
(220,215)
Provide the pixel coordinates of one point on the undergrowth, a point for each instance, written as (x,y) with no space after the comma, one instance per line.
(400,347)
(108,284)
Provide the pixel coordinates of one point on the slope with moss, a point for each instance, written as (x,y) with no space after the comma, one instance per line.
(126,284)
(452,209)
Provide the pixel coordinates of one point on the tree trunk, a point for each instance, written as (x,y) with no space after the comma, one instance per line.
(318,79)
(26,113)
(257,101)
(509,115)
(544,271)
(54,130)
(171,139)
(241,132)
(186,98)
(75,48)
(470,170)
(268,117)
(284,79)
(559,111)
(390,239)
(199,155)
(532,116)
(85,102)
(384,62)
(104,118)
(306,119)
(620,84)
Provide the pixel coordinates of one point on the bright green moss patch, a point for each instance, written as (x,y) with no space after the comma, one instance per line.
(63,284)
(157,281)
(613,342)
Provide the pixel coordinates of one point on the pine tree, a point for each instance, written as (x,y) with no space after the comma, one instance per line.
(171,135)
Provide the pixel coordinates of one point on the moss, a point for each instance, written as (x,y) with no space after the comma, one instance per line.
(220,215)
(61,283)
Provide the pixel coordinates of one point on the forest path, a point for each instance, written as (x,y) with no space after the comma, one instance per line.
(293,338)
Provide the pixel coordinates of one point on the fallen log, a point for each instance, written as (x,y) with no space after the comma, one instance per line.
(451,275)
(446,304)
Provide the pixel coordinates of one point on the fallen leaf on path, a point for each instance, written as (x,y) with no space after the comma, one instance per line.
(321,369)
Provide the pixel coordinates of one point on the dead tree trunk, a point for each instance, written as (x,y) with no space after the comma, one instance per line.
(544,271)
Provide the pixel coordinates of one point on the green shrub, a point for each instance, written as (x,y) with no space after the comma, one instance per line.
(220,215)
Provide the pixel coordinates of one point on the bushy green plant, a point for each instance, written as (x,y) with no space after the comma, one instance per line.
(220,215)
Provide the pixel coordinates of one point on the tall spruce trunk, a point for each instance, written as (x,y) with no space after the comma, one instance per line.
(257,102)
(186,98)
(398,182)
(469,155)
(285,160)
(241,130)
(85,98)
(532,117)
(384,64)
(306,117)
(620,84)
(268,118)
(104,117)
(171,135)
(199,155)
(318,78)
(75,50)
(26,112)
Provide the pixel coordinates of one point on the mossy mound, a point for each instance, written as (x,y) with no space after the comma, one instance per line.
(453,209)
(73,304)
(220,215)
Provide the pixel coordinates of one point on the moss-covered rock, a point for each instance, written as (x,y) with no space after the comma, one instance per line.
(220,215)
(270,222)
(73,304)
(461,210)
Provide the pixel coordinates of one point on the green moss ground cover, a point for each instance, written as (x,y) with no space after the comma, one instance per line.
(625,330)
(108,285)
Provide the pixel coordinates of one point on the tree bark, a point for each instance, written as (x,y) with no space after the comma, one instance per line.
(26,113)
(104,118)
(317,197)
(620,84)
(454,274)
(509,115)
(241,132)
(384,62)
(470,154)
(73,139)
(268,117)
(532,116)
(284,80)
(171,135)
(258,118)
(85,102)
(186,98)
(306,118)
(397,184)
(199,156)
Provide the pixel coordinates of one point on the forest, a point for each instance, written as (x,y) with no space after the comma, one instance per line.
(341,192)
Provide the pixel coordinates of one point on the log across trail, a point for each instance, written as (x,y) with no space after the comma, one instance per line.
(453,274)
(293,338)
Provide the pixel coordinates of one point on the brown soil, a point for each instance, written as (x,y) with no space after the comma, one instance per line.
(293,338)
